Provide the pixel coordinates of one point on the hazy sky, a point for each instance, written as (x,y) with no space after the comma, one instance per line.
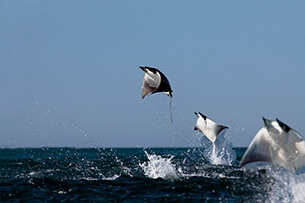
(69,70)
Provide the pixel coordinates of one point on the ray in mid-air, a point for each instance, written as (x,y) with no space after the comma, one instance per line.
(276,143)
(208,127)
(155,81)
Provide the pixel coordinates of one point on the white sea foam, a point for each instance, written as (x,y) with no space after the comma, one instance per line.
(160,167)
(114,177)
(287,187)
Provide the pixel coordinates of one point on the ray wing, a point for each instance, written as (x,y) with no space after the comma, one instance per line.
(164,85)
(294,151)
(259,149)
(219,128)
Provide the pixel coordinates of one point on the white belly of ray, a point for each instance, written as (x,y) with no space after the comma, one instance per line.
(152,79)
(151,82)
(208,128)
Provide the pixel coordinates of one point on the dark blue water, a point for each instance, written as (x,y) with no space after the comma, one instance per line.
(137,175)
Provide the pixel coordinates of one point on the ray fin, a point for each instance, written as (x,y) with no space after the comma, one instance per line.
(258,150)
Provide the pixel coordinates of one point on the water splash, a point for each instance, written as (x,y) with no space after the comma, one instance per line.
(287,187)
(159,167)
(297,190)
(219,152)
(214,157)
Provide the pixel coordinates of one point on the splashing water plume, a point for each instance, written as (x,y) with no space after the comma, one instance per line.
(214,158)
(287,187)
(220,152)
(159,167)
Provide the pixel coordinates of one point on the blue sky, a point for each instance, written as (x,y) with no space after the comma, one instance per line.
(69,71)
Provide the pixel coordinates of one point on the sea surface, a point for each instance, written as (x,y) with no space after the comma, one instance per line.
(139,175)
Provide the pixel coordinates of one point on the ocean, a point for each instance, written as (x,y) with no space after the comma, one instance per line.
(139,175)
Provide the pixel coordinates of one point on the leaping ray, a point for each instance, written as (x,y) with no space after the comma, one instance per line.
(155,81)
(208,127)
(276,143)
